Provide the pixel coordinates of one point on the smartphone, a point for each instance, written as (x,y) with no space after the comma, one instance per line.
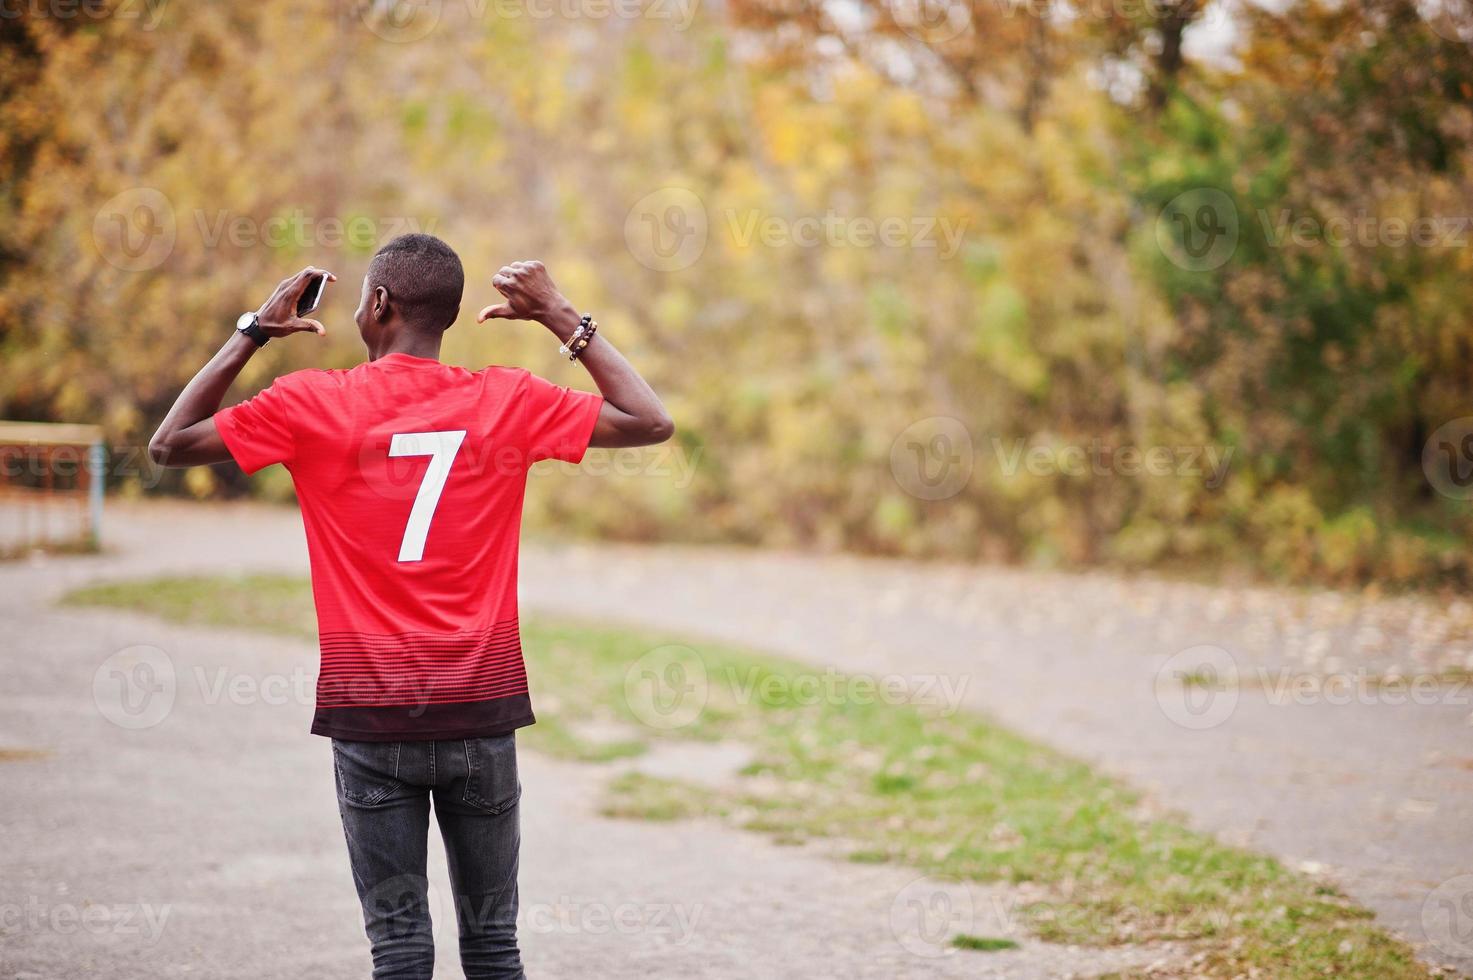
(311,297)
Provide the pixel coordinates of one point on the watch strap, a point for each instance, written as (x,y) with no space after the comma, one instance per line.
(253,330)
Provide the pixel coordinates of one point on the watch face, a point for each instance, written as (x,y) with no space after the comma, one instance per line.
(243,322)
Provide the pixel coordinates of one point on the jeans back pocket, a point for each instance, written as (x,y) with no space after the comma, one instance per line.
(491,782)
(367,772)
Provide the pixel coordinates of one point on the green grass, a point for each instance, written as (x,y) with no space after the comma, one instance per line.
(983,944)
(952,795)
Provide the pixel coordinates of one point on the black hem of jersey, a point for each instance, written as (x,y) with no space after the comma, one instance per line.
(351,735)
(472,719)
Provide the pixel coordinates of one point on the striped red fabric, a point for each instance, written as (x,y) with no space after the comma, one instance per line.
(419,668)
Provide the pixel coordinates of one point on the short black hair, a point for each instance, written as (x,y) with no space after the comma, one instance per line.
(424,278)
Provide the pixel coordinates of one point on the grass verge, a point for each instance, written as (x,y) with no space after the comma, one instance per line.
(947,792)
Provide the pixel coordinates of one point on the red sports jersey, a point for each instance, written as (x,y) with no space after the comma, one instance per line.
(410,474)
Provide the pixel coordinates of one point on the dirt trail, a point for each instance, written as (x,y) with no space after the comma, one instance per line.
(206,844)
(1311,757)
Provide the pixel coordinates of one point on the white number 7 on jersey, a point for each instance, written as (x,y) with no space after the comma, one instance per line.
(441,447)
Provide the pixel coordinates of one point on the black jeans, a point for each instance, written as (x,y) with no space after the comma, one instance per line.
(384,791)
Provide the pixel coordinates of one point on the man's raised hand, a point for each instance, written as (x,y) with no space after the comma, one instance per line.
(530,294)
(631,414)
(278,315)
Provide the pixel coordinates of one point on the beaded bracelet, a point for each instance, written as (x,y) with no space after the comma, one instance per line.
(587,327)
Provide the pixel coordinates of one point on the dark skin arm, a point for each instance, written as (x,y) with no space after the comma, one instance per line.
(187,436)
(632,414)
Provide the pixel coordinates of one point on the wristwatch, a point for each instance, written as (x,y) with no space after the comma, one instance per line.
(250,325)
